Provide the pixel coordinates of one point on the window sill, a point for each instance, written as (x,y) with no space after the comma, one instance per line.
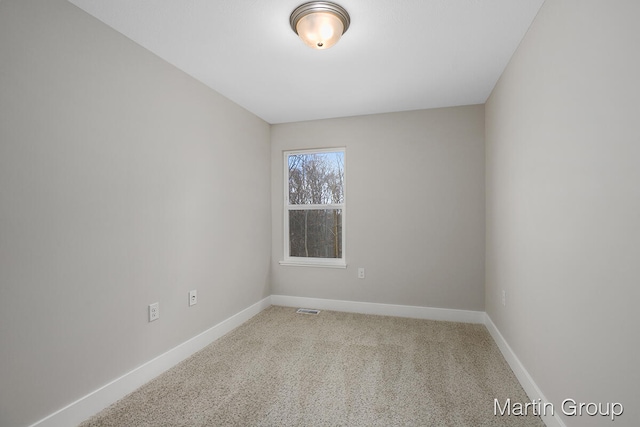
(314,263)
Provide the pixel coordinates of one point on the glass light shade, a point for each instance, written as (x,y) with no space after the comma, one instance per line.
(320,30)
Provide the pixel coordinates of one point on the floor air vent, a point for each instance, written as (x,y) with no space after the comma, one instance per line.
(307,311)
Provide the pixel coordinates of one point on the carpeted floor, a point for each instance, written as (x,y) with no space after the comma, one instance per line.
(334,369)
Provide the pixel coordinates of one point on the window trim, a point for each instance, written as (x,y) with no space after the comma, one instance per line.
(310,261)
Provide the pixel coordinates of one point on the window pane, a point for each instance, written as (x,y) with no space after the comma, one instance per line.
(316,178)
(315,233)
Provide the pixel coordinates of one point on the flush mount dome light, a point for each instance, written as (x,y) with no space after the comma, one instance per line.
(320,24)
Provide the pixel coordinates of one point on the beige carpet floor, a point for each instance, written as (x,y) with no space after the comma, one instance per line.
(334,369)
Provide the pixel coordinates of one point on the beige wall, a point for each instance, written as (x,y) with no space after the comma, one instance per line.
(563,204)
(123,182)
(415,208)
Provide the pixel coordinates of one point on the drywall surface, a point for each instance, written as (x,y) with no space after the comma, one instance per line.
(123,182)
(563,205)
(415,208)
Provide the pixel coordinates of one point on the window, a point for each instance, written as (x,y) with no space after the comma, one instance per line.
(314,208)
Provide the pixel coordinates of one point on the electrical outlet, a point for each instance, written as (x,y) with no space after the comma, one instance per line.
(154,311)
(361,273)
(193,297)
(504,297)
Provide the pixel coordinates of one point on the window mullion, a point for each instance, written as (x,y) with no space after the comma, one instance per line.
(315,207)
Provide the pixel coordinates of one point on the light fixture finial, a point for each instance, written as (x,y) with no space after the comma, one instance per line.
(320,24)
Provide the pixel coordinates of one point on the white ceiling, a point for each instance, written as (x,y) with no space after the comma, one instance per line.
(397,55)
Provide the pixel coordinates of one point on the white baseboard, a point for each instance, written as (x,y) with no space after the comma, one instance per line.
(444,314)
(528,384)
(83,408)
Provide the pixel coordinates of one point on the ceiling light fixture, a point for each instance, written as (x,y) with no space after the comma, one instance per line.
(320,24)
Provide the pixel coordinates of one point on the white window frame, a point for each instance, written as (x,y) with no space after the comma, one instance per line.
(310,261)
